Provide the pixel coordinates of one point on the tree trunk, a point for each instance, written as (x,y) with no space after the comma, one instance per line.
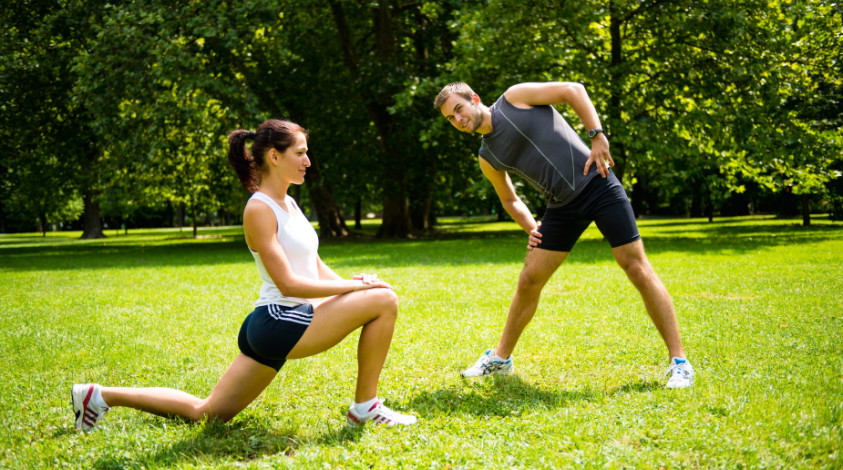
(616,80)
(358,213)
(420,212)
(42,221)
(637,198)
(331,222)
(180,216)
(709,206)
(396,218)
(396,209)
(806,210)
(92,220)
(193,217)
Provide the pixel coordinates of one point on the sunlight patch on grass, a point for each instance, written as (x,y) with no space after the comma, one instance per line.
(757,301)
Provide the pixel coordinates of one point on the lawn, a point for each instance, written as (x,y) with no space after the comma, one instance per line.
(759,302)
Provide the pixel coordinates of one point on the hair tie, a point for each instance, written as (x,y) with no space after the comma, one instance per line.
(251,135)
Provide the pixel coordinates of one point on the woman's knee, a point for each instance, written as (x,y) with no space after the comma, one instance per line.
(388,301)
(204,411)
(199,411)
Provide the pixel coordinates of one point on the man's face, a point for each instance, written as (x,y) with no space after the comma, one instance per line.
(463,114)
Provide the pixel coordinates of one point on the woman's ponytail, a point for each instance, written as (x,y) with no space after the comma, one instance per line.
(241,159)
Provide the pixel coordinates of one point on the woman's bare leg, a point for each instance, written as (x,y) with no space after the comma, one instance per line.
(244,380)
(373,309)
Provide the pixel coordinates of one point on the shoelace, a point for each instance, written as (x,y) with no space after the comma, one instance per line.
(677,369)
(490,364)
(386,413)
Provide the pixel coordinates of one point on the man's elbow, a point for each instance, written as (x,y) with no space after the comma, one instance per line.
(511,205)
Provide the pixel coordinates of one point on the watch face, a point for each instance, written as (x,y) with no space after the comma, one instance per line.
(594,132)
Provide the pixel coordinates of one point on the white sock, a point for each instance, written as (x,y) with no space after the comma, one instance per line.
(363,408)
(97,398)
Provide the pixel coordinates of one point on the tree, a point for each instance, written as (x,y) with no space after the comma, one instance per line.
(53,158)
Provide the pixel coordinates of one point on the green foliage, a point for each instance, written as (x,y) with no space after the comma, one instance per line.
(154,309)
(50,159)
(128,103)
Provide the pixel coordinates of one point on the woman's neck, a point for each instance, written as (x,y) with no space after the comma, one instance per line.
(277,191)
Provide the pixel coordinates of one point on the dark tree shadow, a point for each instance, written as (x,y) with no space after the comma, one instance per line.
(448,248)
(243,440)
(508,396)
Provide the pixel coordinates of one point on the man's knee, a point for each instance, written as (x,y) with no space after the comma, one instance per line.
(538,267)
(636,266)
(531,279)
(638,270)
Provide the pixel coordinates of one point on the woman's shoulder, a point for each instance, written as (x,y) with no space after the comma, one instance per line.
(257,208)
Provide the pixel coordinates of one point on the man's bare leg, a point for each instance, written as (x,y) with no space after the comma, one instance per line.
(538,267)
(633,260)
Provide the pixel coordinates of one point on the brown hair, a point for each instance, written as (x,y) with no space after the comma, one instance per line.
(273,134)
(459,88)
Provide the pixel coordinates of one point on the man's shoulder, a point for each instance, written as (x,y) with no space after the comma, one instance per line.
(516,95)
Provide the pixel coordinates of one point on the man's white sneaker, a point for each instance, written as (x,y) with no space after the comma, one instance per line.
(490,363)
(379,414)
(87,412)
(681,373)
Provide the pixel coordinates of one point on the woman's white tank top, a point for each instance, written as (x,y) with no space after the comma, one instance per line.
(299,241)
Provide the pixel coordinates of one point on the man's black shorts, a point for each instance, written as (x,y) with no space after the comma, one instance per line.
(604,202)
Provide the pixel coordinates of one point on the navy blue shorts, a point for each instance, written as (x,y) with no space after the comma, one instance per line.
(604,202)
(270,332)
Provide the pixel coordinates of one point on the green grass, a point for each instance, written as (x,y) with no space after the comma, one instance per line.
(759,300)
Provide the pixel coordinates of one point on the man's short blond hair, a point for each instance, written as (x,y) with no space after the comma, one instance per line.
(459,88)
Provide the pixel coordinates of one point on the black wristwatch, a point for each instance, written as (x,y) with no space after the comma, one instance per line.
(593,132)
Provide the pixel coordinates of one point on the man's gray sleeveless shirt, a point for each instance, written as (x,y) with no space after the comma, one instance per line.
(538,145)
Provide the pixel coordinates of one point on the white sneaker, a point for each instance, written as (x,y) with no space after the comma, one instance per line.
(488,364)
(87,412)
(379,414)
(681,373)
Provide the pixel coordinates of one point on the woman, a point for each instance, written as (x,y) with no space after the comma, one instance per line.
(304,307)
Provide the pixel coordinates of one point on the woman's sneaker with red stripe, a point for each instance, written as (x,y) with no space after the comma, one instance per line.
(379,414)
(87,412)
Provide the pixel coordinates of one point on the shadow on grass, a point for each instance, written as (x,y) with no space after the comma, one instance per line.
(241,441)
(449,248)
(105,255)
(637,387)
(508,396)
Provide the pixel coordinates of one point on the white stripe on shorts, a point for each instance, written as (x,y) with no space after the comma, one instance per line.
(277,312)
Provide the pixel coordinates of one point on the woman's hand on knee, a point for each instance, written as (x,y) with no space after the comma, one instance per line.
(370,281)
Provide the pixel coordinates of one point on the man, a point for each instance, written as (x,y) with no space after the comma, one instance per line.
(525,135)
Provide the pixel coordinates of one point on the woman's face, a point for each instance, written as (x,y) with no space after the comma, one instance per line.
(293,162)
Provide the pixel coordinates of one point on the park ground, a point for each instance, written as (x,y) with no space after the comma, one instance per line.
(758,300)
